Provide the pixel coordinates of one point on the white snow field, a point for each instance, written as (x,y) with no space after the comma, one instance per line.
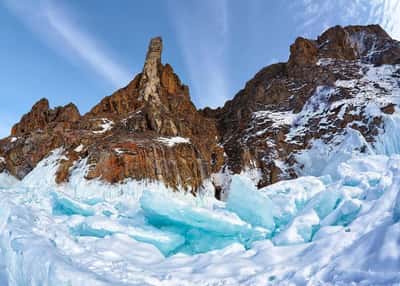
(338,224)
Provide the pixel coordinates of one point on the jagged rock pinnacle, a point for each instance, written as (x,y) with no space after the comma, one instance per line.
(150,81)
(154,50)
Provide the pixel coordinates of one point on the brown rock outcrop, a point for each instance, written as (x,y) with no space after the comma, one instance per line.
(303,52)
(35,119)
(41,116)
(148,130)
(389,109)
(255,124)
(370,44)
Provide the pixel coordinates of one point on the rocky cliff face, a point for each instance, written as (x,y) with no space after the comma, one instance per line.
(324,89)
(150,130)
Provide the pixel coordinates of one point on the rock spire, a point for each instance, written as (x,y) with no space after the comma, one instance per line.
(150,81)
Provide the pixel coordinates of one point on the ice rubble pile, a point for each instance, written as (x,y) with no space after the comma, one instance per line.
(316,228)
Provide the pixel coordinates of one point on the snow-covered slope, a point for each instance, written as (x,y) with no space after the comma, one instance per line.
(345,80)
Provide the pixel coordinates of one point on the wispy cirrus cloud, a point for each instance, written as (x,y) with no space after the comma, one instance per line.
(323,14)
(202,30)
(387,13)
(53,24)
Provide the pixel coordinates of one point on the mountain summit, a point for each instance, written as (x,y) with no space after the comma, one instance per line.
(150,129)
(323,92)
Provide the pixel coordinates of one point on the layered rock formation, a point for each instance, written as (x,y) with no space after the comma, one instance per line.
(315,95)
(150,130)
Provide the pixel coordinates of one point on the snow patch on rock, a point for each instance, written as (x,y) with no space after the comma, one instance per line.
(79,148)
(172,141)
(105,126)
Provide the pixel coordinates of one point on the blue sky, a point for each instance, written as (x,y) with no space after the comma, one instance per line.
(80,51)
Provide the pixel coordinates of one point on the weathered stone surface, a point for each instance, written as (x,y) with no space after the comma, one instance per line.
(370,44)
(35,119)
(41,116)
(252,139)
(303,52)
(389,109)
(150,80)
(122,137)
